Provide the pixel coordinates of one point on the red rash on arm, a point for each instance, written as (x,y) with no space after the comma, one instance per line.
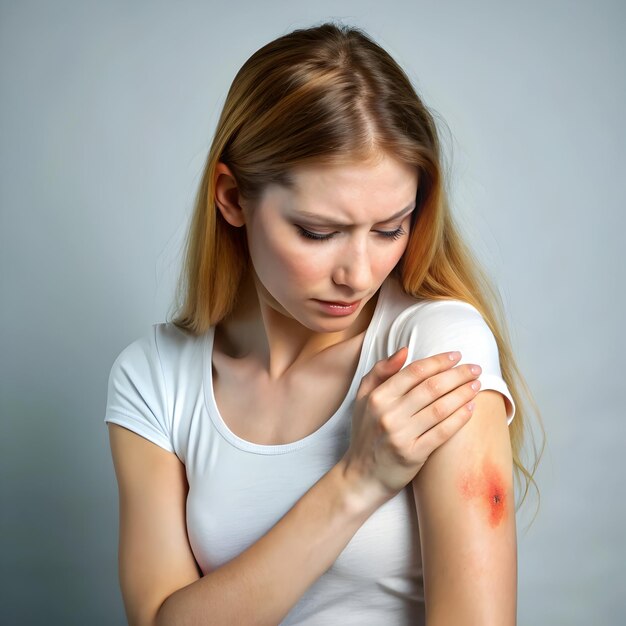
(488,488)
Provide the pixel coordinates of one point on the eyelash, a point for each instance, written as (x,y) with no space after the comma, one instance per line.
(307,234)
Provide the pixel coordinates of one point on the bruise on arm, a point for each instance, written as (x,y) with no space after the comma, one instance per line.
(465,507)
(484,486)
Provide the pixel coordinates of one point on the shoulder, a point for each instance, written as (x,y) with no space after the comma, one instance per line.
(427,327)
(150,358)
(406,316)
(161,342)
(433,326)
(137,395)
(439,313)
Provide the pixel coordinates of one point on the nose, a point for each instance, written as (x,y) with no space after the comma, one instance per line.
(352,267)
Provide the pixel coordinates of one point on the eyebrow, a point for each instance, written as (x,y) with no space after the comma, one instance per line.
(329,222)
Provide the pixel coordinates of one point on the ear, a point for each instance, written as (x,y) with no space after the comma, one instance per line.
(227,196)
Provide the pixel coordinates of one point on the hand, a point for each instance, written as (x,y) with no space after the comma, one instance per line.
(401,417)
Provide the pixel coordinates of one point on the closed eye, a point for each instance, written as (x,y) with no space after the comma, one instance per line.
(393,234)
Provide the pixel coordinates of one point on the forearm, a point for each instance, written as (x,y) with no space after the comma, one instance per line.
(263,583)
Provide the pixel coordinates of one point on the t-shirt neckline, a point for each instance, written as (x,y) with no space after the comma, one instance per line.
(330,424)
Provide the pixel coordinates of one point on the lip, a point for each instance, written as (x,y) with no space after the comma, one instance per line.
(339,303)
(339,309)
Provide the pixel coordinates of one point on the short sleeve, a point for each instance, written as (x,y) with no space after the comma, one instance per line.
(136,396)
(446,325)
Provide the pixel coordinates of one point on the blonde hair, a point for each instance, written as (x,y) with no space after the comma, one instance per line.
(330,95)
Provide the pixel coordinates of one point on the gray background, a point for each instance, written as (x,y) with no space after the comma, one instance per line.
(107,111)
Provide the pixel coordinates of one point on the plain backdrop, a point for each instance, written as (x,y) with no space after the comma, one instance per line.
(107,111)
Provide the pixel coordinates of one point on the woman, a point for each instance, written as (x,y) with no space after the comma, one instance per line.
(304,404)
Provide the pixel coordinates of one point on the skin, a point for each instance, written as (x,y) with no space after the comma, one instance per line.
(485,486)
(465,506)
(277,323)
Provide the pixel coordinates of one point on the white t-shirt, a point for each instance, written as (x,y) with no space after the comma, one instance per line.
(161,387)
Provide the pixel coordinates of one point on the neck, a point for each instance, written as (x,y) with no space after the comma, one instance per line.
(257,331)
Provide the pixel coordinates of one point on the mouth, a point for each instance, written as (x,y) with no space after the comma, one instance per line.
(339,303)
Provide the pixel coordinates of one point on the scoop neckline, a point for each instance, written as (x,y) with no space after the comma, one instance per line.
(327,426)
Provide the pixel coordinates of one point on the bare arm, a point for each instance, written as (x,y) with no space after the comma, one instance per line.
(161,582)
(465,505)
(263,583)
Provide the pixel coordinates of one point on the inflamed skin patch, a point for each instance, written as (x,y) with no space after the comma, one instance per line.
(486,486)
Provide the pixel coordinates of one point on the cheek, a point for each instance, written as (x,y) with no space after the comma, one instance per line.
(309,264)
(280,256)
(385,258)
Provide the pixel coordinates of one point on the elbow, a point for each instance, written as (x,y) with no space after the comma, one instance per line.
(165,614)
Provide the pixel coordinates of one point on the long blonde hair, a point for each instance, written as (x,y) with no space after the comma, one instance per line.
(330,95)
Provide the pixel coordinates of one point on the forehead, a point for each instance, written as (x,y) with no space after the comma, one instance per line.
(355,192)
(385,171)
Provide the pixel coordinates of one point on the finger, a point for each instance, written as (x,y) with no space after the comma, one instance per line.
(414,373)
(381,371)
(443,393)
(429,441)
(442,409)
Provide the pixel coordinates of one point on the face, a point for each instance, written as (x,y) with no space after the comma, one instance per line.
(335,237)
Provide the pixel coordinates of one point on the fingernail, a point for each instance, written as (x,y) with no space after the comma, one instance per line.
(394,354)
(453,356)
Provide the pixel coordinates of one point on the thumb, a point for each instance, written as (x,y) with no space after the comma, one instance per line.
(394,357)
(382,370)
